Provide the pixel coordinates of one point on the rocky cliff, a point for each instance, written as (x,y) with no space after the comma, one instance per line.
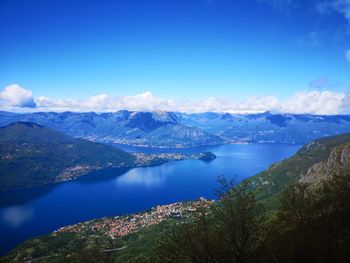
(338,162)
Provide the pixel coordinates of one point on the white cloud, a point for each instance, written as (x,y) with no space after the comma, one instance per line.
(316,101)
(98,102)
(346,102)
(14,95)
(146,101)
(57,104)
(347,55)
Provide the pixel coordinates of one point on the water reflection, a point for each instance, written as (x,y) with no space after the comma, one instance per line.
(102,175)
(148,177)
(15,216)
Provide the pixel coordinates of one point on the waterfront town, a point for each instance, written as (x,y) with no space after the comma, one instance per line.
(115,227)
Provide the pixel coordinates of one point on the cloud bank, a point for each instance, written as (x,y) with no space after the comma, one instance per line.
(14,95)
(16,98)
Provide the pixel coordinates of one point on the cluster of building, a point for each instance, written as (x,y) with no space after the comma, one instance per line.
(122,226)
(143,159)
(74,172)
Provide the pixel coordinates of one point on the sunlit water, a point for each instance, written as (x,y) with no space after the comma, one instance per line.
(32,212)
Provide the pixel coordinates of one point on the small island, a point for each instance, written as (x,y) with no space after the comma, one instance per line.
(206,156)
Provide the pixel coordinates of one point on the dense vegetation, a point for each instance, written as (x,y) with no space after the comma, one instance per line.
(270,183)
(33,155)
(228,232)
(311,225)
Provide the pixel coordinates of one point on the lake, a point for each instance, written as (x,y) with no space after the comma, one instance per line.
(32,212)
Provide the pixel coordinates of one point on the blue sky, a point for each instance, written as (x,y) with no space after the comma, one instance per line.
(177,50)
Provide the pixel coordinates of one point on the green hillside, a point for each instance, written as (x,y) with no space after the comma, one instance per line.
(269,183)
(33,155)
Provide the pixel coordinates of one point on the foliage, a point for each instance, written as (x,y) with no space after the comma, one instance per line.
(228,232)
(273,181)
(311,225)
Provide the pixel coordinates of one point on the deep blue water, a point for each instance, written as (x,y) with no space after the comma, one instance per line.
(32,212)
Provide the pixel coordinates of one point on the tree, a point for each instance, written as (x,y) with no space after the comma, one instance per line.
(239,219)
(313,223)
(228,232)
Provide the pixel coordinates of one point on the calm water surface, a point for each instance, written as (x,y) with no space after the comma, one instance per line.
(28,213)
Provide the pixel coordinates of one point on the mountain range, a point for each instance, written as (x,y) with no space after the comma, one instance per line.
(174,129)
(122,127)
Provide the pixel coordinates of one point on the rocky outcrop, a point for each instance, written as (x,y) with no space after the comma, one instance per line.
(338,162)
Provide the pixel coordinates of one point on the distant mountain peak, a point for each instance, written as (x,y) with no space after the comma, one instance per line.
(149,121)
